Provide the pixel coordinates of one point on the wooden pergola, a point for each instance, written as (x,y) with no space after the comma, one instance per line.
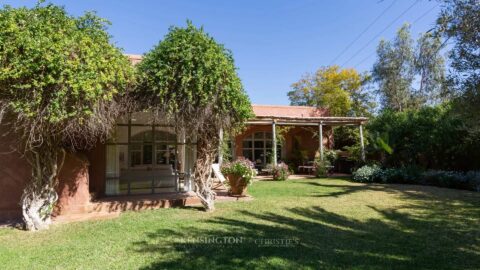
(310,121)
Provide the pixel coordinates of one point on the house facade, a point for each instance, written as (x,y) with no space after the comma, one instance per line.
(144,157)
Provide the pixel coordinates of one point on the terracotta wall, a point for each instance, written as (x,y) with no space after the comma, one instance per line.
(304,135)
(14,172)
(73,186)
(97,160)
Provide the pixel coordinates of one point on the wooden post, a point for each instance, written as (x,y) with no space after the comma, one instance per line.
(220,152)
(320,139)
(274,144)
(362,146)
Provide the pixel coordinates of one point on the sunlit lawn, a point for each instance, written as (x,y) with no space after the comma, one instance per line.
(297,224)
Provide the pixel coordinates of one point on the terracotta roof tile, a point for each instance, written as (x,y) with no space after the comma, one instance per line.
(288,111)
(134,58)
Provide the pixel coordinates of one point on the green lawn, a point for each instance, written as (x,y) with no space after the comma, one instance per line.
(329,223)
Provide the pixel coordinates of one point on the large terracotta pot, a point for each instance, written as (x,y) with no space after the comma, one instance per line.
(238,187)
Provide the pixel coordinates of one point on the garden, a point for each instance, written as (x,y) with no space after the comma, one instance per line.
(296,224)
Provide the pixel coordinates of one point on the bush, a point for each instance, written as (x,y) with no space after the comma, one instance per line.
(241,167)
(367,174)
(413,175)
(321,167)
(431,137)
(331,156)
(450,179)
(405,175)
(281,172)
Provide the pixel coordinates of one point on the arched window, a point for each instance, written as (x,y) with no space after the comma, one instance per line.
(257,147)
(146,149)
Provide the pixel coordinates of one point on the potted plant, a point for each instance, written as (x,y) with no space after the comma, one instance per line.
(240,174)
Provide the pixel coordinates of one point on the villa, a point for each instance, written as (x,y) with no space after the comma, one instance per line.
(144,158)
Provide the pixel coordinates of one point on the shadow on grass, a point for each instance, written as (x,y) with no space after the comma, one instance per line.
(434,237)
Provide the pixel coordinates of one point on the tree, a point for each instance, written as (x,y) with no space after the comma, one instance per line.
(61,89)
(430,67)
(399,66)
(460,21)
(340,91)
(192,80)
(394,71)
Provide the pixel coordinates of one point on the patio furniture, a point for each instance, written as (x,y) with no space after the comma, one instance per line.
(218,174)
(307,167)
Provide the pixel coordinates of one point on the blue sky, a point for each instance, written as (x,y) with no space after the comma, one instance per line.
(273,42)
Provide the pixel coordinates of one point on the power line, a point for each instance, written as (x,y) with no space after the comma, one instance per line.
(381,32)
(425,14)
(363,32)
(416,20)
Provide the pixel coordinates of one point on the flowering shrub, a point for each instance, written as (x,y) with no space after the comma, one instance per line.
(241,167)
(280,172)
(367,174)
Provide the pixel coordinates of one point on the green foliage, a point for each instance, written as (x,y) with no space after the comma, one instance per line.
(459,22)
(399,64)
(243,168)
(366,174)
(59,75)
(469,180)
(192,78)
(322,167)
(413,175)
(340,91)
(432,138)
(281,172)
(331,156)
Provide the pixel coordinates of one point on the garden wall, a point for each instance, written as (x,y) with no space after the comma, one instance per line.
(73,187)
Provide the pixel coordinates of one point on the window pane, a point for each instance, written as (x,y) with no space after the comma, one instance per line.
(268,144)
(247,154)
(164,134)
(162,157)
(135,158)
(258,144)
(247,144)
(268,135)
(258,156)
(142,118)
(147,154)
(161,147)
(141,134)
(120,135)
(135,147)
(172,155)
(258,135)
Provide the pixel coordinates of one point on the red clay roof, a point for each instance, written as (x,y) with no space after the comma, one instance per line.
(288,111)
(134,58)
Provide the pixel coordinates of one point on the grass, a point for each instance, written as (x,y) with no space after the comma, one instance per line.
(326,223)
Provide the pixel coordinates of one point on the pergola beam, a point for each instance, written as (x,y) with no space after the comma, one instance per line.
(309,121)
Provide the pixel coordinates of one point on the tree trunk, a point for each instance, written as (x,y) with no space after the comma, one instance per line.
(40,196)
(207,146)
